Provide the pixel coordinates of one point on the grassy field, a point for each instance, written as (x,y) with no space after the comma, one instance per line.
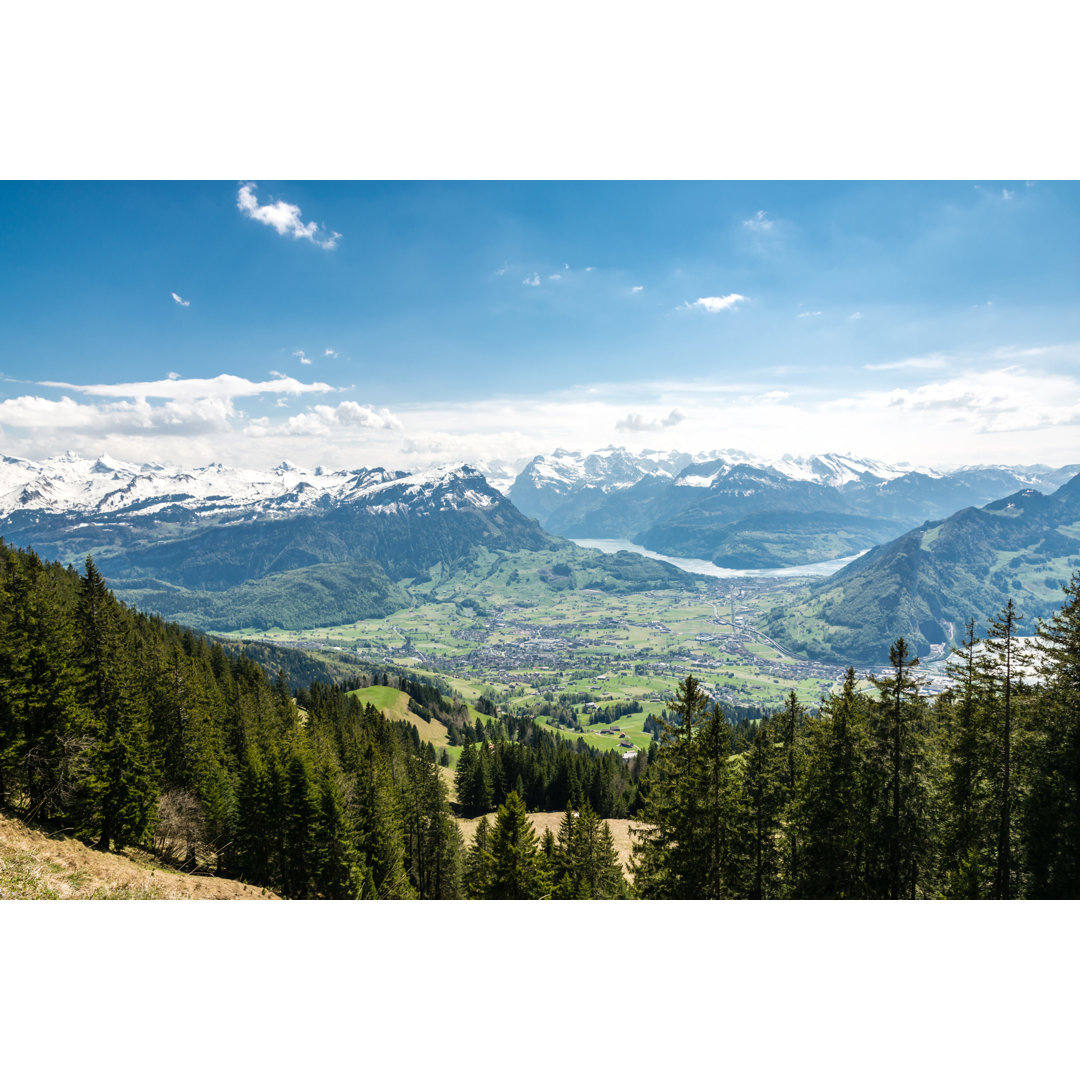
(35,865)
(395,705)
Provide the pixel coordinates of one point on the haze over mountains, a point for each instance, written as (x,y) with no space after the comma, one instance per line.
(741,510)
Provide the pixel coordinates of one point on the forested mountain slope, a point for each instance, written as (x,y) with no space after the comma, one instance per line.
(120,729)
(929,582)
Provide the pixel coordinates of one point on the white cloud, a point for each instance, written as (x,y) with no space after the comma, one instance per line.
(285,218)
(1006,194)
(331,353)
(589,269)
(220,387)
(322,419)
(181,301)
(554,277)
(305,360)
(713,304)
(855,315)
(534,280)
(913,363)
(636,288)
(637,422)
(808,314)
(45,417)
(760,222)
(993,402)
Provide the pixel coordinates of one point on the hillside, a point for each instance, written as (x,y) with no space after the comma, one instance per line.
(926,584)
(126,732)
(37,865)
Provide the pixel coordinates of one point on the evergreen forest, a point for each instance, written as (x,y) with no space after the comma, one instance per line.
(125,730)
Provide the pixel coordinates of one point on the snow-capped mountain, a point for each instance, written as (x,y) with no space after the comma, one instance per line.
(613,468)
(224,548)
(684,504)
(73,486)
(550,478)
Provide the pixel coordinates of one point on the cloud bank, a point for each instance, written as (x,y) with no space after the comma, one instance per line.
(637,422)
(940,411)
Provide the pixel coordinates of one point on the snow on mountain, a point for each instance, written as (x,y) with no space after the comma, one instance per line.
(836,470)
(71,485)
(608,469)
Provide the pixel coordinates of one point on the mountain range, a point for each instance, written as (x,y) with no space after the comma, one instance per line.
(228,549)
(224,549)
(741,510)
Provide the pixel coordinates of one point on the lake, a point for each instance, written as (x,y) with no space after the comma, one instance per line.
(701,566)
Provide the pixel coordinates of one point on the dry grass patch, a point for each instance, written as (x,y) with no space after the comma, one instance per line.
(35,865)
(620,831)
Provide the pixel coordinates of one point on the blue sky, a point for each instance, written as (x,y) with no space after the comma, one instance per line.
(401,324)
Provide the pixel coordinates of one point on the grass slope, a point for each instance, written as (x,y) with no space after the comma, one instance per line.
(394,704)
(35,865)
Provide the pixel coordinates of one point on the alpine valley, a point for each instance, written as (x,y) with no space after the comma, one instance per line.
(294,549)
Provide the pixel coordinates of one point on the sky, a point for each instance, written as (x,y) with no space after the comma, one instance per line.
(402,324)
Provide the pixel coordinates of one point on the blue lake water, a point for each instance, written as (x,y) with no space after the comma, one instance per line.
(701,566)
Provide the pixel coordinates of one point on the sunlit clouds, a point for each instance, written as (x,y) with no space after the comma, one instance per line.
(964,413)
(285,218)
(713,304)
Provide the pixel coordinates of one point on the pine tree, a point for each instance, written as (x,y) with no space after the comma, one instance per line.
(788,725)
(516,867)
(762,801)
(900,753)
(476,874)
(966,795)
(1001,661)
(122,784)
(666,849)
(339,869)
(45,737)
(715,793)
(585,863)
(827,812)
(1051,808)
